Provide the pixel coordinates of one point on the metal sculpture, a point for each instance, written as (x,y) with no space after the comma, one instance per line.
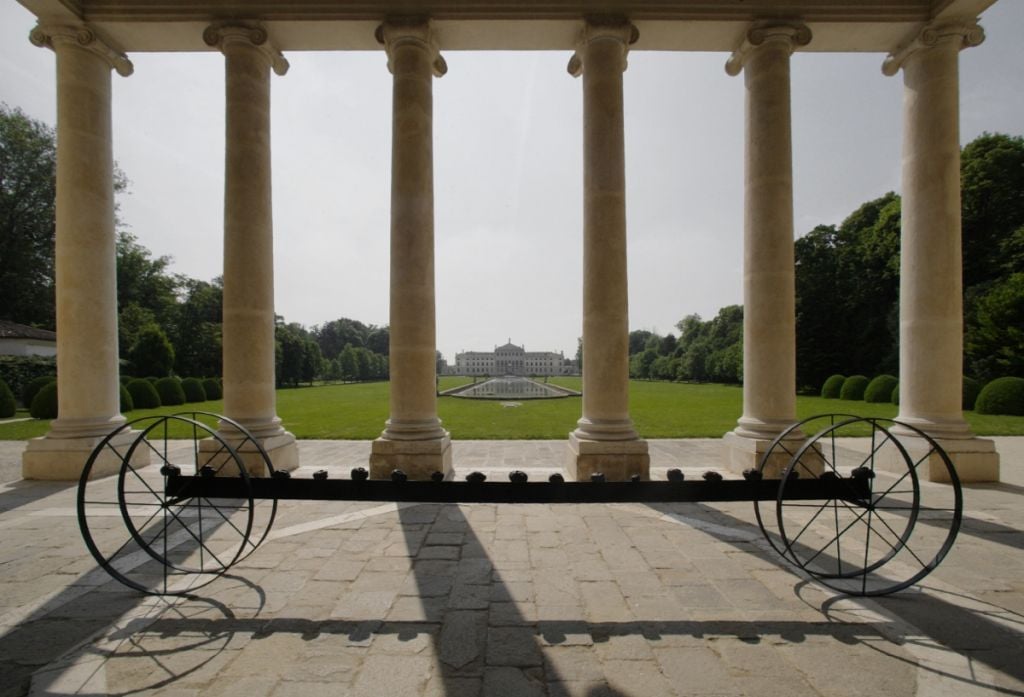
(862,524)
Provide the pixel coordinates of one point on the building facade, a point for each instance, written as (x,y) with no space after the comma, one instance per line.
(512,360)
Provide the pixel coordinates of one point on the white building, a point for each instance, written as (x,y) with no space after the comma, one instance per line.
(512,360)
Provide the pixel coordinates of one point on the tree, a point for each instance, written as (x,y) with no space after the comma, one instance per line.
(348,363)
(143,280)
(992,176)
(638,340)
(994,348)
(197,330)
(28,166)
(152,354)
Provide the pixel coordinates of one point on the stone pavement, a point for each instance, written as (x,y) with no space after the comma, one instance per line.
(621,600)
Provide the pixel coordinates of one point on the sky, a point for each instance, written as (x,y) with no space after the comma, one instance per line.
(507,172)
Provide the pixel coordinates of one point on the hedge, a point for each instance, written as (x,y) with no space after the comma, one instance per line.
(18,371)
(8,407)
(144,395)
(853,388)
(972,388)
(880,389)
(29,391)
(44,404)
(212,388)
(126,400)
(170,391)
(193,389)
(1004,396)
(832,386)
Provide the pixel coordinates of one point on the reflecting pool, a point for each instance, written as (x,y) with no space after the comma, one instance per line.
(511,387)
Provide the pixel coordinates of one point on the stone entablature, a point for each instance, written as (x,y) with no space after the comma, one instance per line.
(511,360)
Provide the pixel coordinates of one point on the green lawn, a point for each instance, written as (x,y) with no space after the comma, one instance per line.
(659,409)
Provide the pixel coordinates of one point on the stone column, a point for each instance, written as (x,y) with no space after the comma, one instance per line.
(769,313)
(604,440)
(85,258)
(248,324)
(931,269)
(413,439)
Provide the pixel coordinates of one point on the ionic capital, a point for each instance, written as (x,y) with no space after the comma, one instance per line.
(415,32)
(963,34)
(615,29)
(57,36)
(224,36)
(791,34)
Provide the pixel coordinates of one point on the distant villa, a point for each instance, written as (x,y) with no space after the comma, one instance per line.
(513,360)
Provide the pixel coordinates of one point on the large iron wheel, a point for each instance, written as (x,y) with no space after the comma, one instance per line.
(867,545)
(146,540)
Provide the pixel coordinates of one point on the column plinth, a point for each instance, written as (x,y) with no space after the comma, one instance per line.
(413,439)
(931,267)
(88,390)
(769,304)
(604,439)
(248,322)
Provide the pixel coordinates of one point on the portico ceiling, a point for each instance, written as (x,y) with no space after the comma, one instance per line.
(693,25)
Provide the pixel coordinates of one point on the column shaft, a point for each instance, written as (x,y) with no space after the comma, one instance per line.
(412,313)
(85,256)
(413,439)
(248,326)
(605,440)
(248,333)
(931,270)
(605,284)
(769,324)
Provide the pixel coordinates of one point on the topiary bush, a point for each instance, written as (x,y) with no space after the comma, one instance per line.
(28,393)
(895,395)
(143,394)
(193,389)
(853,388)
(170,391)
(126,400)
(832,386)
(44,404)
(7,404)
(880,389)
(972,388)
(1003,396)
(212,388)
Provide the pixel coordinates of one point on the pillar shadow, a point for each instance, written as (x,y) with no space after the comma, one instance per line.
(955,628)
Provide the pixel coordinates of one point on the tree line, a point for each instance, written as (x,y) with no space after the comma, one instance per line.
(847,290)
(168,323)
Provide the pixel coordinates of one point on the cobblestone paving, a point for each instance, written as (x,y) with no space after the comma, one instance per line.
(585,600)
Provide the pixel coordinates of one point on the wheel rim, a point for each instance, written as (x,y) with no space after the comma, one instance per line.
(872,546)
(161,546)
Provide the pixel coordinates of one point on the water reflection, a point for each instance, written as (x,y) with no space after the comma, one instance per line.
(511,387)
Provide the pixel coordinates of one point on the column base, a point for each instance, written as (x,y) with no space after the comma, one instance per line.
(62,459)
(419,459)
(975,459)
(617,460)
(746,453)
(281,448)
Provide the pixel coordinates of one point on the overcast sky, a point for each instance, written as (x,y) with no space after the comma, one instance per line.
(508,172)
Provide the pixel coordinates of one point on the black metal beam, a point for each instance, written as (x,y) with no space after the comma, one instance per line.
(182,487)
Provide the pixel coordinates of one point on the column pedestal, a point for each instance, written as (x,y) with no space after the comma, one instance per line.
(419,459)
(616,460)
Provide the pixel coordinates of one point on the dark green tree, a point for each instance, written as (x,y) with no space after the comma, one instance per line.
(28,165)
(152,353)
